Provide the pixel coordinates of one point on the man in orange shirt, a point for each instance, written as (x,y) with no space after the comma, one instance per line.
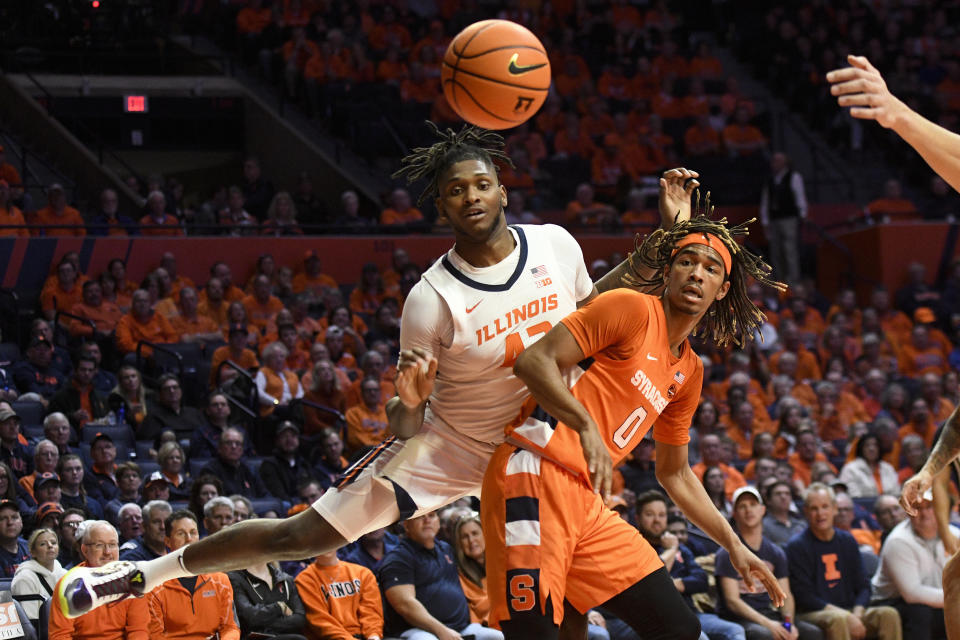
(711,455)
(742,138)
(177,281)
(143,323)
(121,620)
(158,222)
(103,314)
(212,303)
(221,271)
(63,293)
(189,324)
(893,206)
(806,363)
(60,218)
(194,608)
(342,600)
(262,306)
(401,210)
(921,355)
(921,423)
(366,422)
(312,278)
(10,216)
(806,453)
(700,139)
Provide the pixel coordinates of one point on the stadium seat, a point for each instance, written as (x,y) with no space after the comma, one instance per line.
(32,432)
(262,505)
(30,413)
(196,465)
(121,434)
(43,622)
(143,450)
(147,467)
(9,353)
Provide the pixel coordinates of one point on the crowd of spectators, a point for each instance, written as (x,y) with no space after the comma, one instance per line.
(792,47)
(289,379)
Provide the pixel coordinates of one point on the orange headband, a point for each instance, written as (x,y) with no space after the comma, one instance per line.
(709,240)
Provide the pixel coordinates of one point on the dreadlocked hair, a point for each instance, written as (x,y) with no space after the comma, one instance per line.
(470,143)
(735,318)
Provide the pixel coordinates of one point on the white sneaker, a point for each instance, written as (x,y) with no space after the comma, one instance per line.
(83,589)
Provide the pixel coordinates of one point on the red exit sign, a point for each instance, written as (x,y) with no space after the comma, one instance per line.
(135,104)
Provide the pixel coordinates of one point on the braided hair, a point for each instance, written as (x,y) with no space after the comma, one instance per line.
(470,143)
(736,317)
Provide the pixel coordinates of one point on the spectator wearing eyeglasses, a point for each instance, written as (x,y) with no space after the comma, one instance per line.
(127,618)
(236,475)
(69,544)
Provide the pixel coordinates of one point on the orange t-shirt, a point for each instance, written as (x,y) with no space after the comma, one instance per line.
(634,383)
(736,136)
(169,226)
(105,317)
(392,216)
(302,282)
(130,331)
(247,360)
(56,299)
(341,601)
(254,21)
(261,315)
(365,428)
(732,479)
(70,217)
(11,215)
(218,313)
(187,327)
(802,470)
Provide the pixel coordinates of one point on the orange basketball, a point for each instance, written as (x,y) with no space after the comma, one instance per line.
(495,74)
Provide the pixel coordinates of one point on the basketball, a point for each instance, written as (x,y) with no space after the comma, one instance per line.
(495,74)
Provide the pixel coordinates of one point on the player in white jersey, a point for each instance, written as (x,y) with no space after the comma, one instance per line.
(497,290)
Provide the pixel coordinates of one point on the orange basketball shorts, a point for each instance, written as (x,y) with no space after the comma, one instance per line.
(549,536)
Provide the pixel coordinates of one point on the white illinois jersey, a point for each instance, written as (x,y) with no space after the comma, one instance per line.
(476,321)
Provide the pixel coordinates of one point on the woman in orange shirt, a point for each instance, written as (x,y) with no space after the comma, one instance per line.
(468,548)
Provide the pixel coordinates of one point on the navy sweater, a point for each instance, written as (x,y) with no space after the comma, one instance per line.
(823,573)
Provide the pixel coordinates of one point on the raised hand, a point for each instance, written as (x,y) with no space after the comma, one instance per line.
(861,87)
(676,188)
(752,568)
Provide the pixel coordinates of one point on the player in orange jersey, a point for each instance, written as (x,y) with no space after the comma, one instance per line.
(600,380)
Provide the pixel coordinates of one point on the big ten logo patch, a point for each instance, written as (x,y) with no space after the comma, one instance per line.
(523,589)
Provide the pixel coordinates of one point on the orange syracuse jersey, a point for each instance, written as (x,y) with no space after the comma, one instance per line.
(628,382)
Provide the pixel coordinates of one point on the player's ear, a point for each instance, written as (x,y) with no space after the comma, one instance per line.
(724,288)
(441,215)
(503,196)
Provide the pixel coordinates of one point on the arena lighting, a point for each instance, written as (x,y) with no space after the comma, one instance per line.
(95,4)
(134,103)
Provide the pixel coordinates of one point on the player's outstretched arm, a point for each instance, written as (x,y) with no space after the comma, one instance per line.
(540,366)
(416,373)
(946,449)
(676,189)
(862,88)
(686,490)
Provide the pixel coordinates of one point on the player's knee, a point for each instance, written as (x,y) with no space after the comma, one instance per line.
(951,573)
(687,627)
(307,534)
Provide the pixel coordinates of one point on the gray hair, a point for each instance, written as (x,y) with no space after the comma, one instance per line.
(818,487)
(213,503)
(44,442)
(87,527)
(153,505)
(274,347)
(53,416)
(128,507)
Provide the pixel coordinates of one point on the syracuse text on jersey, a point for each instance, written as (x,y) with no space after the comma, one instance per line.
(649,391)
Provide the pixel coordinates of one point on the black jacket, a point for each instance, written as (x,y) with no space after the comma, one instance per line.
(257,607)
(67,401)
(282,479)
